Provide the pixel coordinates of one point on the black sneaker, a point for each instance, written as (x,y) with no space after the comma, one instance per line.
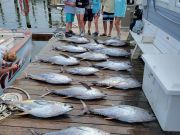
(71,32)
(67,34)
(95,34)
(89,32)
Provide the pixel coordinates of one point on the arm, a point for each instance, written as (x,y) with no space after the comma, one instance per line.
(85,3)
(69,3)
(15,66)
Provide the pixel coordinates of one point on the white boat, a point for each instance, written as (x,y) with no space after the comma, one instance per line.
(19,42)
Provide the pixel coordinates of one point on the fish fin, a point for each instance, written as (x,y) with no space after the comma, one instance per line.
(108,118)
(109,87)
(67,97)
(65,55)
(96,41)
(86,110)
(85,85)
(61,70)
(21,114)
(89,63)
(34,132)
(48,92)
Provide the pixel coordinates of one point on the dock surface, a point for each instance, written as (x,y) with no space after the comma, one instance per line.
(20,125)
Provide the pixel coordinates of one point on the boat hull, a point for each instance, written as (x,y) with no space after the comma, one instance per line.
(23,52)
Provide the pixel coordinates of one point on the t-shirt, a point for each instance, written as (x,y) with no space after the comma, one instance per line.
(89,6)
(69,9)
(96,4)
(84,3)
(108,6)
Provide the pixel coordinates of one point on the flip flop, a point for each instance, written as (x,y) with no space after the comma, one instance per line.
(103,35)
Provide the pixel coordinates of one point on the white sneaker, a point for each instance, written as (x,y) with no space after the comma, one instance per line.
(82,34)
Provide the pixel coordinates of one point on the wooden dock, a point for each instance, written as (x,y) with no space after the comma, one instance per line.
(20,125)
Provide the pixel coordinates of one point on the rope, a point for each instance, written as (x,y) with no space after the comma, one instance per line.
(25,8)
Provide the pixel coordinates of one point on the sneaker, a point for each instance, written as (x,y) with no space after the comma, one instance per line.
(89,32)
(82,34)
(103,35)
(95,34)
(67,34)
(71,32)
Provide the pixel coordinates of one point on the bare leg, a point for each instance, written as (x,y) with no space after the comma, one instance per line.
(105,27)
(67,27)
(78,18)
(70,26)
(118,25)
(81,18)
(96,23)
(110,27)
(89,25)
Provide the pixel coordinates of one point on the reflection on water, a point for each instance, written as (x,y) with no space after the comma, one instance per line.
(39,17)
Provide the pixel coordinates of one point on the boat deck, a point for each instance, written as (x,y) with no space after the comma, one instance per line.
(20,125)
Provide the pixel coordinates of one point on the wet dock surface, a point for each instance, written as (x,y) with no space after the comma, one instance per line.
(20,125)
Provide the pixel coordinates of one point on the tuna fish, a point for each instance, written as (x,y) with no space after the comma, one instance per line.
(119,83)
(92,56)
(70,48)
(80,92)
(62,59)
(114,52)
(93,46)
(114,42)
(124,113)
(76,39)
(76,131)
(82,70)
(42,108)
(114,65)
(51,78)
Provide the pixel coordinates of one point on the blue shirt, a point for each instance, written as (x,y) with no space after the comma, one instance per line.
(96,6)
(69,9)
(120,8)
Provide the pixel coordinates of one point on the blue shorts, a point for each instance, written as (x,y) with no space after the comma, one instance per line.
(80,11)
(108,16)
(69,18)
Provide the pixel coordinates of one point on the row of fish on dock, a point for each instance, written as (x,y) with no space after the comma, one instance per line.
(99,52)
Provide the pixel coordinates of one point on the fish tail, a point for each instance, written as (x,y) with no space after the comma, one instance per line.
(61,70)
(48,92)
(96,41)
(86,109)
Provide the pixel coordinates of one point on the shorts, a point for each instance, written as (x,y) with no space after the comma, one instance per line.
(108,16)
(88,16)
(80,11)
(69,18)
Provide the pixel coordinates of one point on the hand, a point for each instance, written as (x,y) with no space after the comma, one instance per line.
(79,3)
(102,12)
(14,66)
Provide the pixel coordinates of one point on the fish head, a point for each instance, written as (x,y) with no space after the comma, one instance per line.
(66,107)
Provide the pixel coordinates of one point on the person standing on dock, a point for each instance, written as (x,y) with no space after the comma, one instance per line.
(96,4)
(80,11)
(119,12)
(88,16)
(108,15)
(70,13)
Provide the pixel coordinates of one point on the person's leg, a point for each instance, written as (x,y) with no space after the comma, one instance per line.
(117,25)
(89,27)
(96,17)
(110,27)
(81,18)
(79,25)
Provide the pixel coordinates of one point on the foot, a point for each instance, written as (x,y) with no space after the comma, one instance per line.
(95,34)
(82,34)
(89,32)
(103,35)
(71,32)
(67,34)
(109,35)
